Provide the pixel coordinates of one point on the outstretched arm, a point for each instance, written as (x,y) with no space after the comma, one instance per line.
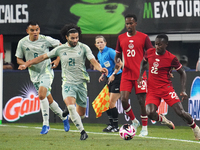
(98,66)
(33,61)
(183,83)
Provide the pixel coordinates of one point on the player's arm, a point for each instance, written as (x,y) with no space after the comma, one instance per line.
(197,65)
(98,67)
(118,62)
(143,67)
(56,62)
(183,77)
(20,61)
(33,61)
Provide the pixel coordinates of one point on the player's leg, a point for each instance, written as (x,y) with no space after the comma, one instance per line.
(125,90)
(128,110)
(53,105)
(70,93)
(152,103)
(178,108)
(141,96)
(44,106)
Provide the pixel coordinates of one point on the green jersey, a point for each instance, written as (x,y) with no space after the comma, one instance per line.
(31,49)
(73,62)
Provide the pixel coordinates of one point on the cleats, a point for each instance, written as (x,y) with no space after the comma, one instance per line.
(167,122)
(114,129)
(196,131)
(136,124)
(66,124)
(65,112)
(143,133)
(45,129)
(84,135)
(108,128)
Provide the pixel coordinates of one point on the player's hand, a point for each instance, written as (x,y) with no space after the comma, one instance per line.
(171,75)
(54,64)
(101,78)
(22,67)
(139,81)
(105,71)
(184,96)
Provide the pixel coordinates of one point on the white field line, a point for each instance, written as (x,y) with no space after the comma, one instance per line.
(147,137)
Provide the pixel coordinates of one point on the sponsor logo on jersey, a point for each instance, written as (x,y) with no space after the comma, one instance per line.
(64,53)
(194,100)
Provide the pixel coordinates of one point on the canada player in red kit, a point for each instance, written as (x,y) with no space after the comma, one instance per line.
(132,45)
(161,62)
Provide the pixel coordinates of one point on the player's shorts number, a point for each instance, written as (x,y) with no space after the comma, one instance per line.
(130,53)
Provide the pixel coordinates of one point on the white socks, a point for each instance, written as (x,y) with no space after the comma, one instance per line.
(56,109)
(76,119)
(44,106)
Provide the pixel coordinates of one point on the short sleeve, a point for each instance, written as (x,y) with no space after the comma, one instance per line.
(19,52)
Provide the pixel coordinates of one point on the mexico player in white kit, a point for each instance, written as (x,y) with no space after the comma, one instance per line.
(74,75)
(41,75)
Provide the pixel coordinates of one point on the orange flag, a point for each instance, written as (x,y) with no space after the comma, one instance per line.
(101,102)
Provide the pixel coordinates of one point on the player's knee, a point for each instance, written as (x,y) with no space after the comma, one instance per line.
(82,117)
(41,96)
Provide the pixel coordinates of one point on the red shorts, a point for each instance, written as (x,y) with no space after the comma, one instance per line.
(127,85)
(167,93)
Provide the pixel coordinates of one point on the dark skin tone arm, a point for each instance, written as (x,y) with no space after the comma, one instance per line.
(183,83)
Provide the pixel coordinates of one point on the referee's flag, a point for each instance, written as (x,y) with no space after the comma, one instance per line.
(101,102)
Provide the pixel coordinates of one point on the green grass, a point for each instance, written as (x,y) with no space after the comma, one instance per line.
(21,136)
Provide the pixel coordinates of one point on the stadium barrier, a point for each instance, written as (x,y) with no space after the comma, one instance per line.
(21,103)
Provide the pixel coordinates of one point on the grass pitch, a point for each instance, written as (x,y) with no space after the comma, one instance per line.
(23,136)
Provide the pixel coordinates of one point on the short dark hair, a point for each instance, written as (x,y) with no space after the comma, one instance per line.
(32,22)
(163,36)
(69,28)
(131,16)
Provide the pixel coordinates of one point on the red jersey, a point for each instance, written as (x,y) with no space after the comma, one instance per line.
(132,48)
(159,68)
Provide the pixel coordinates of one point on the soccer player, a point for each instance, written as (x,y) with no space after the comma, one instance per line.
(31,46)
(161,62)
(74,75)
(132,45)
(106,58)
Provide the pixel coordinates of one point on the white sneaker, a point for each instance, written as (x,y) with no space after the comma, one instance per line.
(136,124)
(196,131)
(143,133)
(167,122)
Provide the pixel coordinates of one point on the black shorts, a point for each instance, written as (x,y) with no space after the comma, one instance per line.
(115,84)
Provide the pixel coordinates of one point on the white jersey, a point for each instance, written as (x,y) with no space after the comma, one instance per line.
(73,62)
(31,49)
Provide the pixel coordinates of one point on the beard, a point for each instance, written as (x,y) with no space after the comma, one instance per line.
(72,44)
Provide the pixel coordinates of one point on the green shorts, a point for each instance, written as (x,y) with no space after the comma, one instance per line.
(46,82)
(79,92)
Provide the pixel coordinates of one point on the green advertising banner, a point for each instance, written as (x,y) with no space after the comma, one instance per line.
(101,16)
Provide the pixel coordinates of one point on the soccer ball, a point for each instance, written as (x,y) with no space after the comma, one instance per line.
(127,132)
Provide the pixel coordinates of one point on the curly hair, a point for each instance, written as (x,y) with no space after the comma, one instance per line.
(69,28)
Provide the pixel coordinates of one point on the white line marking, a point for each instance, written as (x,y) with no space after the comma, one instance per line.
(147,137)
